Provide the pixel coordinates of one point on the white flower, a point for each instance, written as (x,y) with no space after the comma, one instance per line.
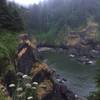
(34,88)
(29,98)
(35,83)
(20,95)
(25,76)
(19,89)
(28,85)
(12,85)
(19,74)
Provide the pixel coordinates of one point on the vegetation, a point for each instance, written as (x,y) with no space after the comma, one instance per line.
(9,17)
(60,16)
(7,50)
(2,96)
(24,89)
(10,25)
(96,94)
(50,21)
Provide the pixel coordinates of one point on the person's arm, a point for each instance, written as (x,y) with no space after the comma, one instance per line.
(22,52)
(30,44)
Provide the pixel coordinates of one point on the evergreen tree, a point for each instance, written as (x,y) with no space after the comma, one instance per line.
(9,20)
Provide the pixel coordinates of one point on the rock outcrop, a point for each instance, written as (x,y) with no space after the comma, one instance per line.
(50,86)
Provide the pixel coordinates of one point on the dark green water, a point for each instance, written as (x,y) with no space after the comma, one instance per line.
(80,78)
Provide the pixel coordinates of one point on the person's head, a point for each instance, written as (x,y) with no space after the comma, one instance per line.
(23,38)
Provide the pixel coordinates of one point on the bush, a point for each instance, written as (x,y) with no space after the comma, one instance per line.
(96,95)
(7,50)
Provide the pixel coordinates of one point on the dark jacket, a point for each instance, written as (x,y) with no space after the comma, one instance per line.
(25,62)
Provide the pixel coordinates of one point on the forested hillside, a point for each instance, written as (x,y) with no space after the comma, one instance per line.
(10,25)
(52,19)
(57,15)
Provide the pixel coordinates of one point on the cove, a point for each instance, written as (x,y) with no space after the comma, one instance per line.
(80,78)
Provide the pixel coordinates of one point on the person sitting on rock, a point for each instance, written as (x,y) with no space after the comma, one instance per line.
(25,56)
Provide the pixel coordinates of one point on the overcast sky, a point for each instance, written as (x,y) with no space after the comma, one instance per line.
(26,2)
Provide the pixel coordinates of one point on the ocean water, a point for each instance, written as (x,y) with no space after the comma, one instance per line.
(80,78)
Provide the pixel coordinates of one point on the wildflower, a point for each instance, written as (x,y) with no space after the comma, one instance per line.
(34,88)
(12,85)
(25,76)
(20,95)
(19,74)
(28,85)
(19,89)
(35,83)
(30,98)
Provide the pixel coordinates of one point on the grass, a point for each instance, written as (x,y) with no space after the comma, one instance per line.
(8,45)
(2,96)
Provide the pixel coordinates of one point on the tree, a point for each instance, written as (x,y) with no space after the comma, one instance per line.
(9,19)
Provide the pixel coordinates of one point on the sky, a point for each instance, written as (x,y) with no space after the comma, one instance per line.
(26,2)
